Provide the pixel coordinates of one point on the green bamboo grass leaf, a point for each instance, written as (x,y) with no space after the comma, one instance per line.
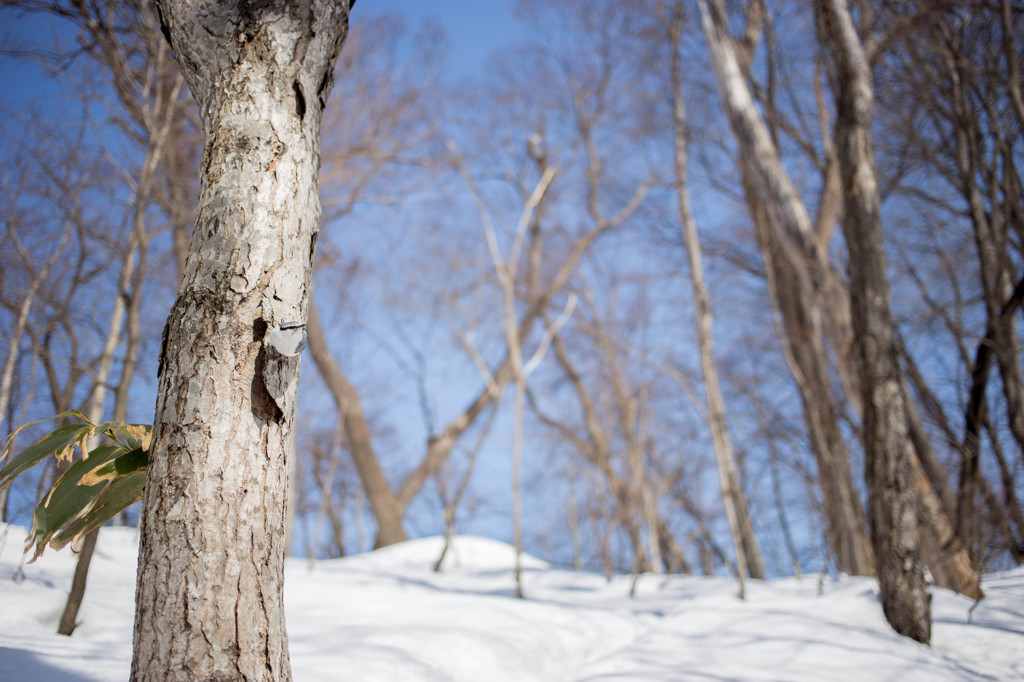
(122,493)
(135,436)
(102,483)
(112,430)
(56,443)
(68,498)
(123,464)
(73,477)
(70,414)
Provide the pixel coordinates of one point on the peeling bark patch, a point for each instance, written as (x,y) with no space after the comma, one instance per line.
(264,407)
(300,101)
(279,373)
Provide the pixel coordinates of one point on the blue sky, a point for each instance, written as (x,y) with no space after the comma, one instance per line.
(474,27)
(23,79)
(474,31)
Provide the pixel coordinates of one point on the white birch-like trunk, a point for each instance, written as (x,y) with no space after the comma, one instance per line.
(748,551)
(209,592)
(7,373)
(801,285)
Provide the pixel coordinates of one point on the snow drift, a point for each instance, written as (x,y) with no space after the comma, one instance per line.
(385,616)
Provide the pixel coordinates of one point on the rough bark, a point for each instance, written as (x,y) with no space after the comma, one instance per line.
(890,473)
(209,592)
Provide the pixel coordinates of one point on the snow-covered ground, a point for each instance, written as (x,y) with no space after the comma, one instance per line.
(387,617)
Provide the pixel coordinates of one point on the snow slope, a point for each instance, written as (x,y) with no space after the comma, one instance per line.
(387,617)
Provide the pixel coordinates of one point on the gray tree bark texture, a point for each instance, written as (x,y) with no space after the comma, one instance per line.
(889,464)
(209,592)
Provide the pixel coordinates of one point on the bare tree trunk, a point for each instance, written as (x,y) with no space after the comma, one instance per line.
(596,448)
(327,507)
(209,592)
(845,533)
(989,184)
(943,549)
(392,502)
(889,459)
(158,118)
(451,503)
(961,72)
(671,553)
(572,517)
(386,508)
(748,552)
(517,465)
(505,269)
(7,373)
(637,498)
(69,617)
(798,280)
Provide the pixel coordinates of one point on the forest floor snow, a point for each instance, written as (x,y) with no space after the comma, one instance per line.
(386,616)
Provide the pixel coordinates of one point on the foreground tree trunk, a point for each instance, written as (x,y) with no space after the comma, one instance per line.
(889,464)
(209,592)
